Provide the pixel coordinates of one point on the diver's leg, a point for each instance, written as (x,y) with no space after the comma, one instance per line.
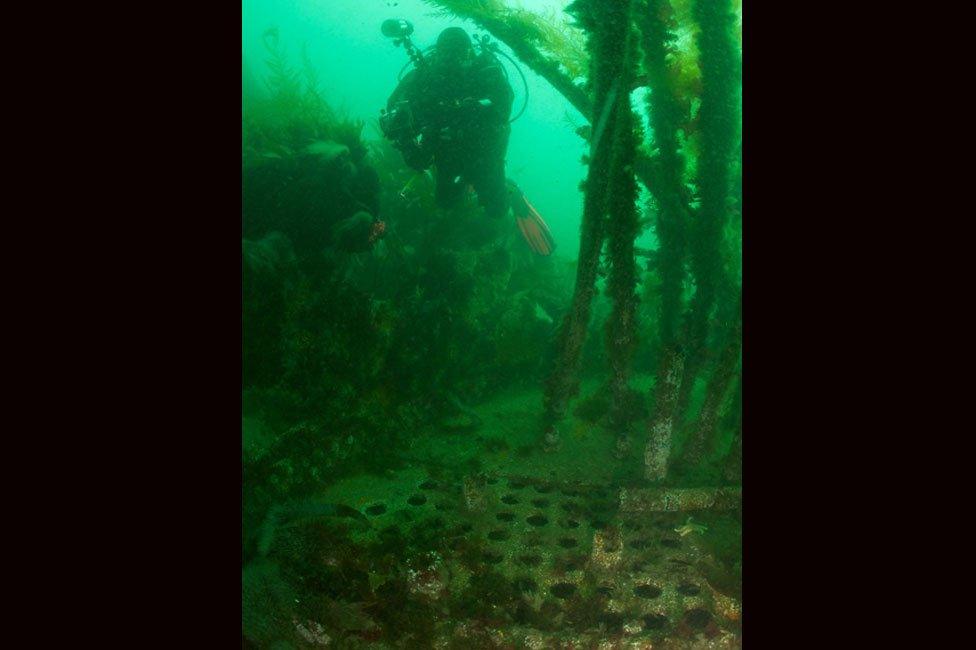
(450,185)
(489,183)
(488,173)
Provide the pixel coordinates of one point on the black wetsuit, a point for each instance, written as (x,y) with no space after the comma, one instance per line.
(461,116)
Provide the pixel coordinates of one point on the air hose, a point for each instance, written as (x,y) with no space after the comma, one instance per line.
(493,47)
(525,85)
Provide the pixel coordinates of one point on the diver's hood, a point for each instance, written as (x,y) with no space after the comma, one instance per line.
(453,48)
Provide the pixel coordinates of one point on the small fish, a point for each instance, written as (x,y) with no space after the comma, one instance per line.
(688,528)
(328,149)
(542,314)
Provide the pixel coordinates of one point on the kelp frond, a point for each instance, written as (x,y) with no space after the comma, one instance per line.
(314,103)
(554,35)
(283,82)
(295,113)
(473,9)
(549,32)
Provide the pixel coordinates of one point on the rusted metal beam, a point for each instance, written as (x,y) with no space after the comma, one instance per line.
(680,499)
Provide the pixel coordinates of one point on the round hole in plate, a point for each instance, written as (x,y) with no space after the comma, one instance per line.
(697,618)
(647,591)
(688,589)
(654,621)
(537,520)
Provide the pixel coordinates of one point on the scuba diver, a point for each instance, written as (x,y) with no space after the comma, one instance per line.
(452,112)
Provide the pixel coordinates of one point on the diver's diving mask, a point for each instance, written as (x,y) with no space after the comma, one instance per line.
(453,49)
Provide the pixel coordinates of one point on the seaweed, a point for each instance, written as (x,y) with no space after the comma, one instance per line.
(551,48)
(606,65)
(623,226)
(703,432)
(719,128)
(348,355)
(294,112)
(665,114)
(696,227)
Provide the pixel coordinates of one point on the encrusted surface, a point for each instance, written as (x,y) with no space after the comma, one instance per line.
(680,499)
(552,565)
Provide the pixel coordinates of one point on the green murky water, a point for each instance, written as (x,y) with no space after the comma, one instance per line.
(492,334)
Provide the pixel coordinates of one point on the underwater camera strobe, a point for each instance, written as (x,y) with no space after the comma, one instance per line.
(396,28)
(400,30)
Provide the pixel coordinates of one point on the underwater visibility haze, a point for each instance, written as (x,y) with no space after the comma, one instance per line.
(492,337)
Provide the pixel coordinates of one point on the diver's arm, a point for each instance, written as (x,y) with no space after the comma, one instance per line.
(414,155)
(403,91)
